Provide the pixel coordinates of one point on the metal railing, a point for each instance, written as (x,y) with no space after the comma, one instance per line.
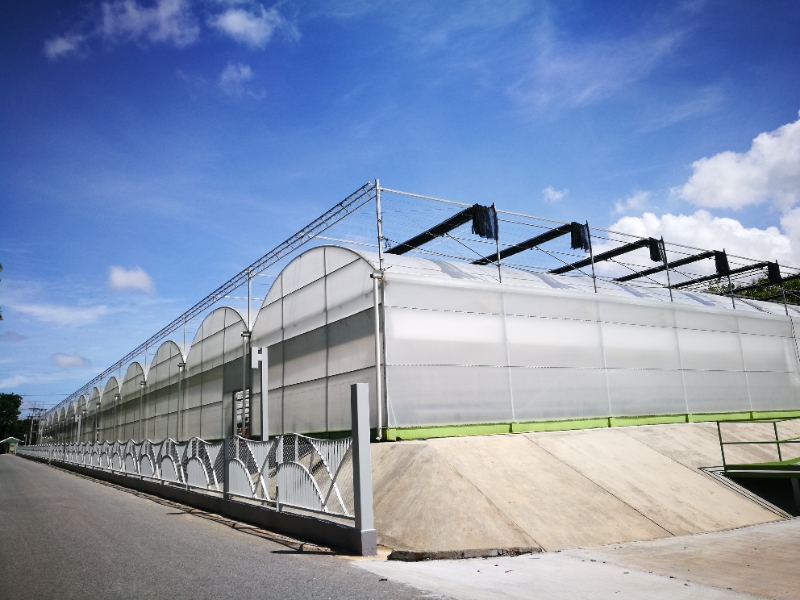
(774,440)
(290,470)
(328,477)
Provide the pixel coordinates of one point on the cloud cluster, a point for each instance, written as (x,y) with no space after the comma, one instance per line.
(550,194)
(169,21)
(69,361)
(636,201)
(61,315)
(253,28)
(121,279)
(12,336)
(234,77)
(174,22)
(768,172)
(704,230)
(561,75)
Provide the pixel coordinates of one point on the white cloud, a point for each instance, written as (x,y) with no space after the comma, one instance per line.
(253,28)
(233,79)
(122,279)
(65,45)
(703,230)
(69,361)
(634,202)
(550,194)
(768,171)
(165,21)
(11,336)
(61,315)
(560,75)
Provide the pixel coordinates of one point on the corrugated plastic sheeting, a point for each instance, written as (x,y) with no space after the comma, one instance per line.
(446,395)
(317,321)
(566,393)
(634,357)
(104,416)
(161,400)
(218,342)
(128,411)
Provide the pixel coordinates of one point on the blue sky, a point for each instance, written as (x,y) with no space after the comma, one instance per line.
(150,149)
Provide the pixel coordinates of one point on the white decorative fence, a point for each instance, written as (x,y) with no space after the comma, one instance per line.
(290,470)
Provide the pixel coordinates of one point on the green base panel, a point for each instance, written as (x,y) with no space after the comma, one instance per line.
(421,433)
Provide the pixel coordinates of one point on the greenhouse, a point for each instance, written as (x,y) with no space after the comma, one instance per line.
(457,347)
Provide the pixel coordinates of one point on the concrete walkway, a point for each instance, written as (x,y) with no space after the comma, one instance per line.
(754,562)
(64,536)
(557,490)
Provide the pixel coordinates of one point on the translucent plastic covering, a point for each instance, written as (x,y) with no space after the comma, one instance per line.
(128,412)
(463,349)
(317,321)
(161,393)
(213,374)
(458,347)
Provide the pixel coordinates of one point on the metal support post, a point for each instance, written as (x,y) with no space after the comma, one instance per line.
(259,361)
(30,435)
(362,468)
(378,358)
(141,408)
(591,255)
(181,408)
(245,382)
(117,398)
(376,306)
(497,245)
(96,423)
(666,267)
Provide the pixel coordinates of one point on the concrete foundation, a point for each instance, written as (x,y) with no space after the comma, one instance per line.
(556,490)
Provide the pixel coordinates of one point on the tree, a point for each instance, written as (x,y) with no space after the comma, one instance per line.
(9,415)
(773,293)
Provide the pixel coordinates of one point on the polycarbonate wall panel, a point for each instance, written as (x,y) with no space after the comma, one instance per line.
(339,416)
(305,407)
(548,394)
(546,305)
(445,395)
(716,391)
(774,391)
(710,350)
(538,342)
(645,392)
(308,267)
(780,326)
(637,314)
(351,343)
(640,347)
(768,353)
(347,284)
(444,298)
(304,357)
(438,337)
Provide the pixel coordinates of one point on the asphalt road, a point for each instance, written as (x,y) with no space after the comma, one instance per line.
(64,536)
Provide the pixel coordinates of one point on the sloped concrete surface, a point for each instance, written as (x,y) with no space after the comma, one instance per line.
(554,490)
(679,499)
(759,561)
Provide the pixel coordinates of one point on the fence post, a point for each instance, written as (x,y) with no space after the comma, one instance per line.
(362,468)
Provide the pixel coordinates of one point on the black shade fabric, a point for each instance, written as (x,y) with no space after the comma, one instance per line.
(580,236)
(721,262)
(484,221)
(656,251)
(773,273)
